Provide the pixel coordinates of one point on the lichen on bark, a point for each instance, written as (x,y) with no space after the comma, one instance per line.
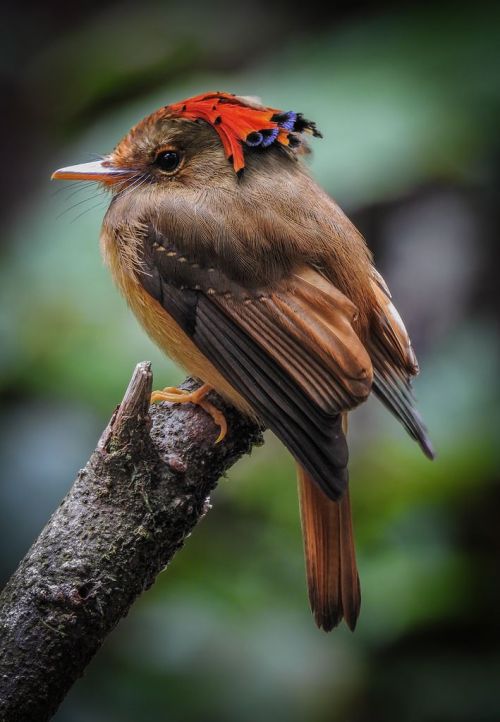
(128,512)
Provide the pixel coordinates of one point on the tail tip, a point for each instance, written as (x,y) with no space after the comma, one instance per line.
(328,619)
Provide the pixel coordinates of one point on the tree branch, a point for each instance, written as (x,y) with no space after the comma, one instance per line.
(129,511)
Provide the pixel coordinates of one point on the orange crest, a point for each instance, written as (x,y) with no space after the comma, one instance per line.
(238,121)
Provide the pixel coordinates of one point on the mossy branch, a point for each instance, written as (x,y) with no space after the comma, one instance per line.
(129,511)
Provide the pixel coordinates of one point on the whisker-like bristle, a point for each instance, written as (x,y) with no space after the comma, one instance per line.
(102,202)
(79,203)
(71,188)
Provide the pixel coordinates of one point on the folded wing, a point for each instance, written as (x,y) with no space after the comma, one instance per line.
(291,352)
(395,364)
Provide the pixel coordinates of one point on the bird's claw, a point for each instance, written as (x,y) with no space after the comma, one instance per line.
(197,397)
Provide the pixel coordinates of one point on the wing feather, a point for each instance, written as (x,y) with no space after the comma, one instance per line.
(395,364)
(291,352)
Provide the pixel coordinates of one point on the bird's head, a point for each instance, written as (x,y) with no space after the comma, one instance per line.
(188,144)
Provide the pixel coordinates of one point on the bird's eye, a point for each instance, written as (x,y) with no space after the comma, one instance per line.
(167,160)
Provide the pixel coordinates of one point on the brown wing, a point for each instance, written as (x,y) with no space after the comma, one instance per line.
(291,352)
(395,364)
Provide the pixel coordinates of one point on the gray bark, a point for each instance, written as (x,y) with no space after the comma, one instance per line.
(129,511)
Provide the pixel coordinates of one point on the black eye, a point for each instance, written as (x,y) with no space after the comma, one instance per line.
(168,160)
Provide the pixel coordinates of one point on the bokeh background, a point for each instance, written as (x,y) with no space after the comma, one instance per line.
(408,99)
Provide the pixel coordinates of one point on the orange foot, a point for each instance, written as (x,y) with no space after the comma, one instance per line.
(179,396)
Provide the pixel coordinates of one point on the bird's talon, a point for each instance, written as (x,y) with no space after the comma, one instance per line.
(218,418)
(197,397)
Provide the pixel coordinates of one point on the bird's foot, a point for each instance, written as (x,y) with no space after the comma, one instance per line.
(197,397)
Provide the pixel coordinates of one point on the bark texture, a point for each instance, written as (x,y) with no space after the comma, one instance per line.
(129,511)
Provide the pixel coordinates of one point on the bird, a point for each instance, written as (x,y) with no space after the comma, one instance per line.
(249,275)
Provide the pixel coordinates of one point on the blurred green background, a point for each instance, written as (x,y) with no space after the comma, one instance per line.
(408,101)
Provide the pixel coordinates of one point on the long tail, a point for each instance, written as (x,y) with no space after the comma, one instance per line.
(332,575)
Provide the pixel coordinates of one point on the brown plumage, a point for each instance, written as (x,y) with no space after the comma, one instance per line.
(260,286)
(332,574)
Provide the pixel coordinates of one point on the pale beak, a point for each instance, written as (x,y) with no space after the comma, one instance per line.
(99,170)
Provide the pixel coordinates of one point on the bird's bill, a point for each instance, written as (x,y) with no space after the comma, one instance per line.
(99,170)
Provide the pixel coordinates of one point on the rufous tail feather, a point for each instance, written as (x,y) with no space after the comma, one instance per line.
(332,575)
